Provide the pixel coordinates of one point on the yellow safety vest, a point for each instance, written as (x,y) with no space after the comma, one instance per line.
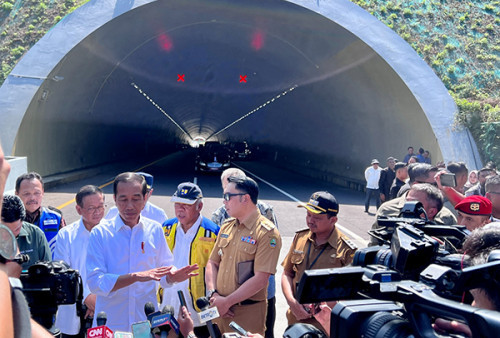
(201,247)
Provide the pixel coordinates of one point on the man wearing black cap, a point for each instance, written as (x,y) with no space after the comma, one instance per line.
(387,176)
(372,176)
(191,238)
(319,246)
(150,210)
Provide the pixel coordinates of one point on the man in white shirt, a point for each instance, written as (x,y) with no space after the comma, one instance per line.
(127,257)
(150,210)
(71,247)
(372,176)
(191,237)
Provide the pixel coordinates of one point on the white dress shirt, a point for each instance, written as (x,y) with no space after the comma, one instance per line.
(372,176)
(116,249)
(181,252)
(150,211)
(71,247)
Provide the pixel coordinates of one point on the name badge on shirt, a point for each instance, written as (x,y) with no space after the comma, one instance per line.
(224,235)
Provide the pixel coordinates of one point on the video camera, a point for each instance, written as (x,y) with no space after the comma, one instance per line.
(399,289)
(408,243)
(384,303)
(49,284)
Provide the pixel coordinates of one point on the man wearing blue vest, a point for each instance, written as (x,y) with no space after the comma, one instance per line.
(29,187)
(191,238)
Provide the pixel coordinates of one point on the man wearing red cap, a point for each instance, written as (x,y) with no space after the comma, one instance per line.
(474,212)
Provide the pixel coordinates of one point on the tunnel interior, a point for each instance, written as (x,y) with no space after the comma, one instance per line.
(306,90)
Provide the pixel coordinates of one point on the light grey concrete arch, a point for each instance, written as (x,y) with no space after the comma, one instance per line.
(328,86)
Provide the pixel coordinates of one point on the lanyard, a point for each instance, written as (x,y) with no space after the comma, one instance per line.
(309,267)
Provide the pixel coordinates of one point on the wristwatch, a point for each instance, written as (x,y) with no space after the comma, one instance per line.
(210,293)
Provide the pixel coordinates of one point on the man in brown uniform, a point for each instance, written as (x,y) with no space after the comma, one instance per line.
(320,246)
(244,256)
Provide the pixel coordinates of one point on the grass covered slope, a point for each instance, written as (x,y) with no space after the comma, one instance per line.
(459,39)
(24,22)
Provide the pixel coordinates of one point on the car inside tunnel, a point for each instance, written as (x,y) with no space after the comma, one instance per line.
(309,92)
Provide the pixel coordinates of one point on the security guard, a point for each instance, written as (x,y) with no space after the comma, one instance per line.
(320,246)
(191,238)
(245,255)
(474,212)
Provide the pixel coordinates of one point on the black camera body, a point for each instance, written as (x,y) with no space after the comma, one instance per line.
(49,284)
(399,288)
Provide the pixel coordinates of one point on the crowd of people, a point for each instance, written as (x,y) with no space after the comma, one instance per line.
(135,254)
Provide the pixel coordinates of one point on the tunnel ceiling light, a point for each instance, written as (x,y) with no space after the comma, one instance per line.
(253,111)
(160,109)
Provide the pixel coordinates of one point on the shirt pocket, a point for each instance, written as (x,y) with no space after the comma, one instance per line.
(247,249)
(297,259)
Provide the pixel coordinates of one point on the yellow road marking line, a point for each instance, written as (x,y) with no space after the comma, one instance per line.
(65,204)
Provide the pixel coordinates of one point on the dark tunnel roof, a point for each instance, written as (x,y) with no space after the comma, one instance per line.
(323,81)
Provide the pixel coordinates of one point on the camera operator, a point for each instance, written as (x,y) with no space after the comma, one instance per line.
(478,247)
(428,195)
(30,238)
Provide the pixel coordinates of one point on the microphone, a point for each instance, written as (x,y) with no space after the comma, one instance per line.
(149,310)
(207,314)
(101,318)
(164,322)
(101,330)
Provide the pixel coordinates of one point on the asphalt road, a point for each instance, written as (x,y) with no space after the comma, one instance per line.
(280,188)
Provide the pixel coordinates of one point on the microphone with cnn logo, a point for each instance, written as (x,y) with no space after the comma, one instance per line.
(101,330)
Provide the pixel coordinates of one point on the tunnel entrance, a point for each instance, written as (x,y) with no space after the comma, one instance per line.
(304,82)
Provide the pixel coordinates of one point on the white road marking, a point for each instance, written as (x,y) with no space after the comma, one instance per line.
(348,232)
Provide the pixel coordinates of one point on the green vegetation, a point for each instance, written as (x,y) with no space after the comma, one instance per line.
(24,22)
(460,40)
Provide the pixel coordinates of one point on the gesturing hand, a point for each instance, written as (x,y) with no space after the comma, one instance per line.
(153,274)
(182,274)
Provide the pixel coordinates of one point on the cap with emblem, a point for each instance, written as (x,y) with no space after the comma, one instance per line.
(148,178)
(187,193)
(475,205)
(321,202)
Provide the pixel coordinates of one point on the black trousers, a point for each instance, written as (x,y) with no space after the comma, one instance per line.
(270,317)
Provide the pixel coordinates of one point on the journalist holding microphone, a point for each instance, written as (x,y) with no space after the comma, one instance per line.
(128,256)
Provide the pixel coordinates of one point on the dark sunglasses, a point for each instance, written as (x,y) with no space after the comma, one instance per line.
(227,196)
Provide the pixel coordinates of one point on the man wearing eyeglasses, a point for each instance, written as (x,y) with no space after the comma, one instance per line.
(245,255)
(220,215)
(419,173)
(71,247)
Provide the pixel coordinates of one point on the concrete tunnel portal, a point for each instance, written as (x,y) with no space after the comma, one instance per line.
(321,86)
